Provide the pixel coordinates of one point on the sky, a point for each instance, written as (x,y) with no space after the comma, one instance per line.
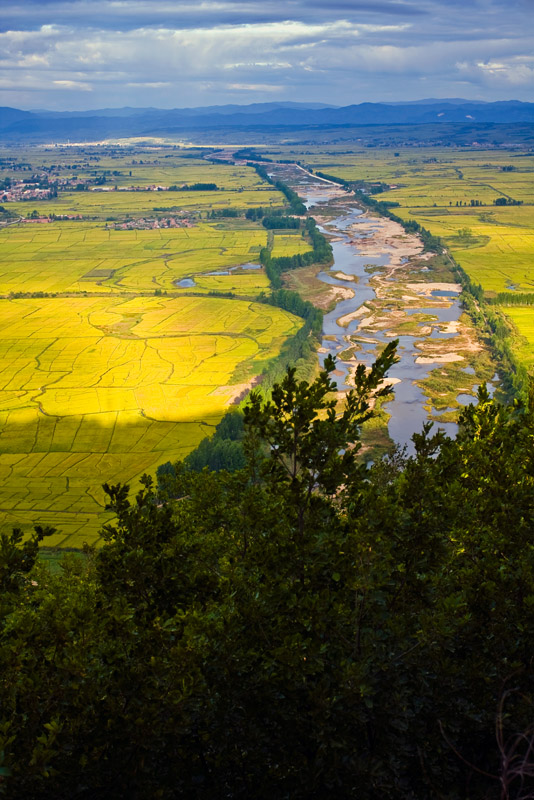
(89,54)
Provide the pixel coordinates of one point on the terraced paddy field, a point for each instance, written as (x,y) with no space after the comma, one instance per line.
(104,389)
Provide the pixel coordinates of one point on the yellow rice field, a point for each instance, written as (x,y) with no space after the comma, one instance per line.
(104,389)
(435,187)
(523,343)
(75,257)
(117,359)
(102,205)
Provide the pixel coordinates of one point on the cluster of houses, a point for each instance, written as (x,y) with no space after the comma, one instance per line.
(152,188)
(34,190)
(24,191)
(144,224)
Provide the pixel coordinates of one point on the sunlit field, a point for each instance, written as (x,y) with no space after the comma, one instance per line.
(523,343)
(289,244)
(495,246)
(121,360)
(103,205)
(103,389)
(83,257)
(74,256)
(452,193)
(139,167)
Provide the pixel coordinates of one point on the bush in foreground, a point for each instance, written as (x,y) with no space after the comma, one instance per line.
(305,627)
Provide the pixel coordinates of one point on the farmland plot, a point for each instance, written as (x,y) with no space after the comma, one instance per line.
(103,389)
(101,205)
(523,343)
(82,257)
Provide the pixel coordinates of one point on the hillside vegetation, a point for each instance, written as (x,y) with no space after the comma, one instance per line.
(304,627)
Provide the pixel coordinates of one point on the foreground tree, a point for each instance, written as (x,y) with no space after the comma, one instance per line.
(303,628)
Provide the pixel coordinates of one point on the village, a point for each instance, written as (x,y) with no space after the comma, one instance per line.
(143,224)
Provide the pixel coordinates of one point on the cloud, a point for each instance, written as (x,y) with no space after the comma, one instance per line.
(176,53)
(254,87)
(259,65)
(513,72)
(132,14)
(79,85)
(149,84)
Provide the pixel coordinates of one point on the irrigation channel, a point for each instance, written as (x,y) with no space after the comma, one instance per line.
(432,313)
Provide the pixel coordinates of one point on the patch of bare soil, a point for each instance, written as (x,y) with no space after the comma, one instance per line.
(427,288)
(237,391)
(377,236)
(342,276)
(340,293)
(344,320)
(446,351)
(444,358)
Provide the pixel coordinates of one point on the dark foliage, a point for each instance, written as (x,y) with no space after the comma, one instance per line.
(320,254)
(306,627)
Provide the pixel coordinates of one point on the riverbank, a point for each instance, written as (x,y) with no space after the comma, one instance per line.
(398,291)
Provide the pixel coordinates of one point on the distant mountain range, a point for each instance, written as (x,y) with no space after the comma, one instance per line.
(46,126)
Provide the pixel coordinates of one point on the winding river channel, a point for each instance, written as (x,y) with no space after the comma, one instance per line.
(353,269)
(381,289)
(407,407)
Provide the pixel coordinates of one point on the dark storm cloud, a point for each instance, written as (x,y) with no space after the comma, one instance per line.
(111,52)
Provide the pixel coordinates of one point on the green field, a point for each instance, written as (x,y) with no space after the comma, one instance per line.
(494,244)
(84,257)
(126,166)
(105,205)
(288,244)
(122,168)
(106,380)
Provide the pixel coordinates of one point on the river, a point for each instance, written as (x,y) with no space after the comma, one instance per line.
(439,309)
(407,407)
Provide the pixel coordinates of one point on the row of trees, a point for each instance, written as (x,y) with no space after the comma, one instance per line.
(507,201)
(194,187)
(321,253)
(280,222)
(295,203)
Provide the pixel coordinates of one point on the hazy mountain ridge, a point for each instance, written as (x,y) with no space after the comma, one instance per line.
(102,123)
